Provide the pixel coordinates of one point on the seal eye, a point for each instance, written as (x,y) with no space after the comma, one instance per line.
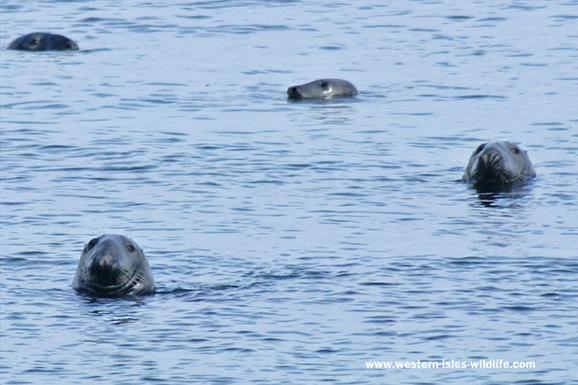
(91,244)
(324,85)
(480,148)
(130,248)
(515,149)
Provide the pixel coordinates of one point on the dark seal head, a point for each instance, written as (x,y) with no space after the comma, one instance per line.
(40,41)
(498,164)
(322,89)
(113,266)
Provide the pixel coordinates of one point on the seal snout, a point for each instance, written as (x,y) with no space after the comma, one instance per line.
(106,261)
(105,269)
(489,163)
(105,265)
(293,93)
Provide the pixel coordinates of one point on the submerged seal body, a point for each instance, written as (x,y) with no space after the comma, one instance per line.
(113,266)
(322,89)
(499,164)
(40,41)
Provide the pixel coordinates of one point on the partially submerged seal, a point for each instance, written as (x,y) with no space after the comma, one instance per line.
(113,266)
(322,89)
(498,163)
(40,41)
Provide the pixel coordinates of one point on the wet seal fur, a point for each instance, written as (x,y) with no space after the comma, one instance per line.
(498,164)
(322,89)
(113,266)
(41,41)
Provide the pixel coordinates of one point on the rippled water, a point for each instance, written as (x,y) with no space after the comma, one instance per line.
(291,242)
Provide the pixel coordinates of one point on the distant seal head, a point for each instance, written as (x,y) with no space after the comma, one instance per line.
(40,41)
(498,164)
(322,89)
(113,266)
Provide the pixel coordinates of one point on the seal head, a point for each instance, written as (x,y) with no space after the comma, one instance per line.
(113,266)
(498,164)
(40,41)
(322,89)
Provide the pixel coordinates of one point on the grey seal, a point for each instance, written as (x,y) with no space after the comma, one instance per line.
(322,89)
(113,266)
(41,41)
(499,164)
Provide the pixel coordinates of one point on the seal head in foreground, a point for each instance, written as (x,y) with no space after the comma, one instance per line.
(498,164)
(113,266)
(322,89)
(40,41)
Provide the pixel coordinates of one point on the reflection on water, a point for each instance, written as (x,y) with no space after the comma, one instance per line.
(323,113)
(515,195)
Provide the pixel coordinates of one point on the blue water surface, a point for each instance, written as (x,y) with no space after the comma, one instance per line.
(291,242)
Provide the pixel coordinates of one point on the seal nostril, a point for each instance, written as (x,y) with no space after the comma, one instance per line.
(103,264)
(106,261)
(480,148)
